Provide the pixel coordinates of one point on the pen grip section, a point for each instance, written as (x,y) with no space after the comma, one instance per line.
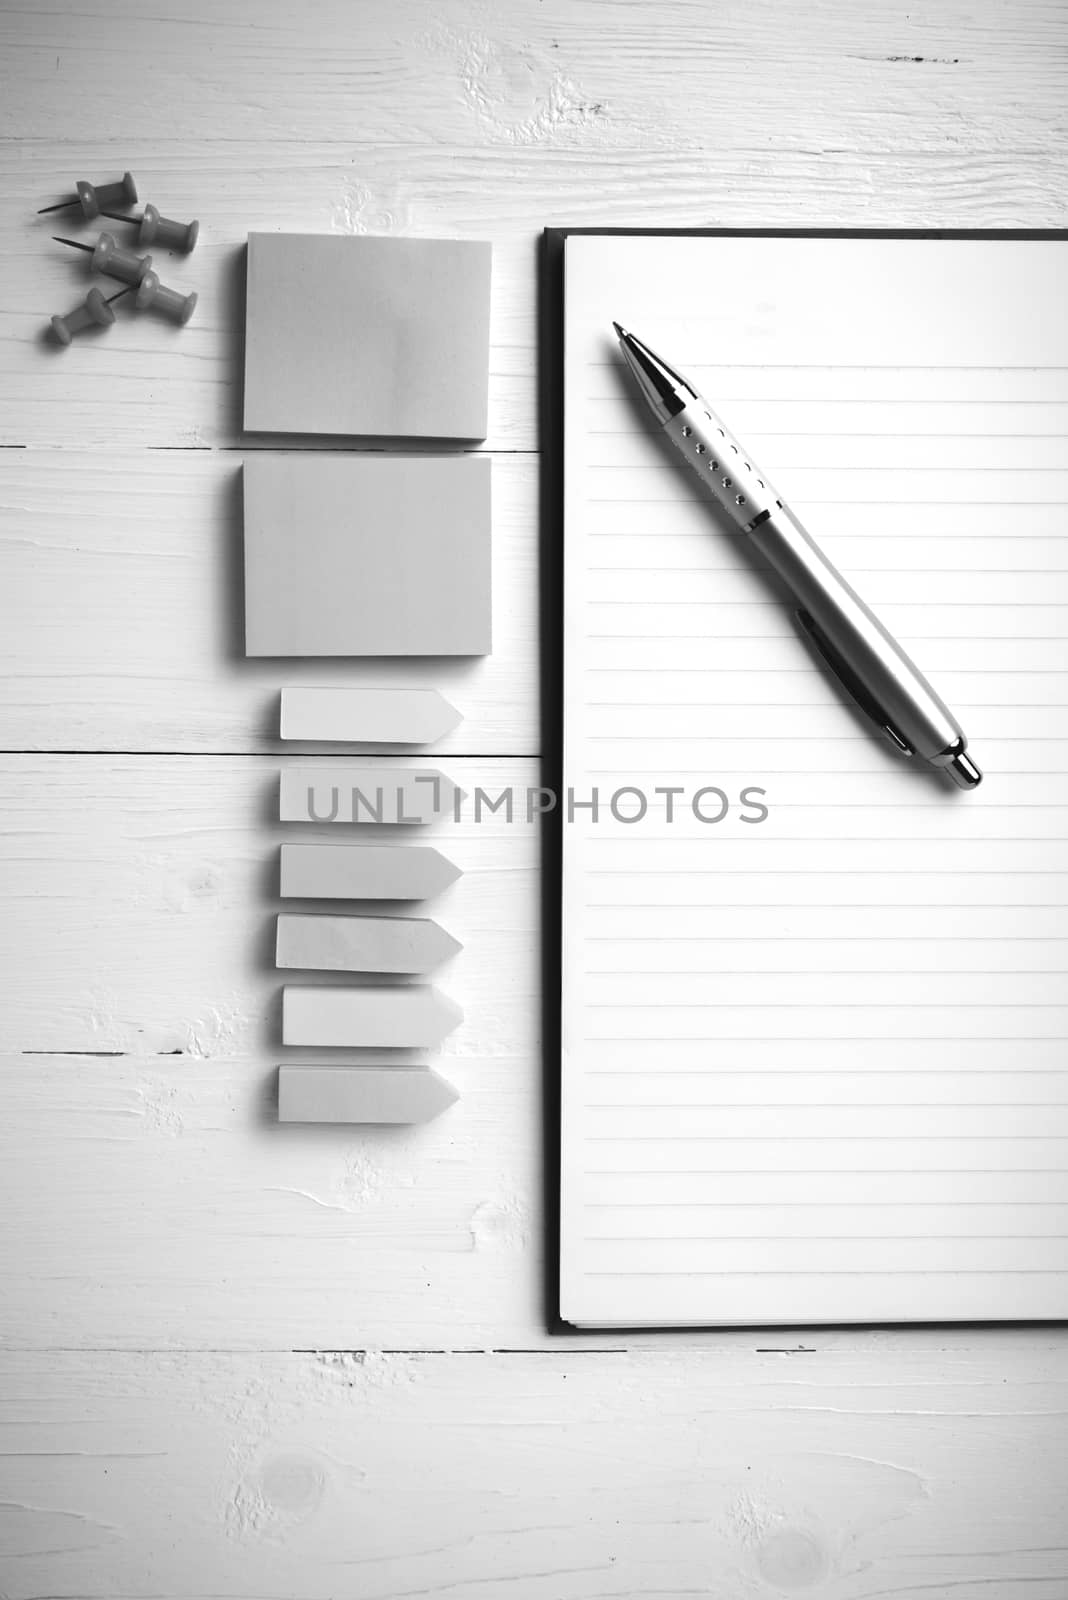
(871,665)
(709,448)
(853,685)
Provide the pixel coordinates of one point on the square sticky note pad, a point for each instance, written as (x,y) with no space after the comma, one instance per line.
(367,336)
(366,555)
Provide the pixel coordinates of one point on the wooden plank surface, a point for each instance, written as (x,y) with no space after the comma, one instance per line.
(587,77)
(170,1255)
(544,1477)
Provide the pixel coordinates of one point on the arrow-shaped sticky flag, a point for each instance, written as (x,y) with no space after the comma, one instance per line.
(364,872)
(362,1094)
(366,716)
(402,1016)
(362,944)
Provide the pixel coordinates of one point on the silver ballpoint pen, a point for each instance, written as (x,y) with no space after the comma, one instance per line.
(852,641)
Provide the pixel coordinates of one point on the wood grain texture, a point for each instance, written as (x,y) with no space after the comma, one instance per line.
(545,1477)
(169,1250)
(137,1184)
(581,78)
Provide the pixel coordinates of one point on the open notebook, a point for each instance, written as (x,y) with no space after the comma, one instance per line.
(814,1064)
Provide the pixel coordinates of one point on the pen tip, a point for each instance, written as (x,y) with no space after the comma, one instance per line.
(621,333)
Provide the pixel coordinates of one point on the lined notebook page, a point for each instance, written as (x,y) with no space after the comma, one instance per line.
(815,1066)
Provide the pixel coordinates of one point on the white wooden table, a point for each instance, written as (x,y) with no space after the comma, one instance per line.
(262,1363)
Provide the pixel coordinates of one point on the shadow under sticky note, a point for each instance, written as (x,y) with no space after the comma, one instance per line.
(367,555)
(370,336)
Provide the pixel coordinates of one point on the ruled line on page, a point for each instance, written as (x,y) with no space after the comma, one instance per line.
(820,672)
(791,738)
(632,499)
(816,1138)
(776,605)
(836,433)
(874,1106)
(820,1172)
(937,572)
(655,943)
(913,1039)
(657,469)
(807,1238)
(1000,572)
(846,366)
(821,1005)
(785,633)
(822,872)
(839,1272)
(806,773)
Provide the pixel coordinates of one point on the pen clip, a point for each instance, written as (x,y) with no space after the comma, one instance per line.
(857,691)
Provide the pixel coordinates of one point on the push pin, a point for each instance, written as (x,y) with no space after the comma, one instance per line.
(95,201)
(161,230)
(94,311)
(151,293)
(110,259)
